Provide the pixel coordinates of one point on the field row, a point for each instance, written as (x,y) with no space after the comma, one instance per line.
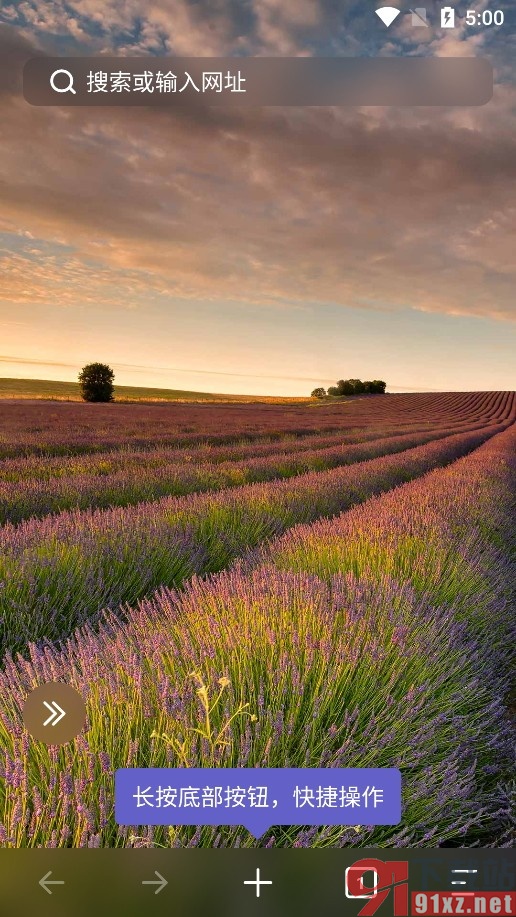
(112,461)
(45,428)
(136,481)
(383,637)
(61,570)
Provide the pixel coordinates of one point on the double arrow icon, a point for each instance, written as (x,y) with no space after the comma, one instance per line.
(56,713)
(54,704)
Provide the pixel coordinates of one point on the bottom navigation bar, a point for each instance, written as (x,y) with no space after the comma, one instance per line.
(274,882)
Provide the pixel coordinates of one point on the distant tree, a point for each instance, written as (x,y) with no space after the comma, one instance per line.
(96,382)
(345,387)
(375,388)
(357,387)
(379,387)
(372,388)
(318,393)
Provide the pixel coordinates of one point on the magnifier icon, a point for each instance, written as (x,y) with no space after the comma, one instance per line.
(68,88)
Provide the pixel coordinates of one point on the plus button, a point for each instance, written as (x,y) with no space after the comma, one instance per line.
(258,882)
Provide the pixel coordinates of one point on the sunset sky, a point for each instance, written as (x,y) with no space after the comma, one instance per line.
(256,251)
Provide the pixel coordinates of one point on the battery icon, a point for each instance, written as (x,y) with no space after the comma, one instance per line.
(447,17)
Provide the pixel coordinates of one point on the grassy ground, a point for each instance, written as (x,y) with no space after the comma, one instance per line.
(47,389)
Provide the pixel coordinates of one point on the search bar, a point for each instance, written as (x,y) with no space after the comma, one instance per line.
(183,82)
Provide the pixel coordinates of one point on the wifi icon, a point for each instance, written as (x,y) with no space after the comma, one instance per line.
(388,14)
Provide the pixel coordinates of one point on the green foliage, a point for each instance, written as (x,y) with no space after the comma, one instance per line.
(213,727)
(96,382)
(352,387)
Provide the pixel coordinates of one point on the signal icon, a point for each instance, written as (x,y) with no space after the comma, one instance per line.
(387,14)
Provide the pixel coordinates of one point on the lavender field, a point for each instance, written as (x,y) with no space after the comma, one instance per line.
(262,585)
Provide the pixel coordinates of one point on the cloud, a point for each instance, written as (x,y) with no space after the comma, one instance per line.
(138,367)
(32,275)
(181,27)
(206,27)
(370,208)
(30,362)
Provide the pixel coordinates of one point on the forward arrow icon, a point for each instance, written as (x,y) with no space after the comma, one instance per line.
(56,713)
(160,882)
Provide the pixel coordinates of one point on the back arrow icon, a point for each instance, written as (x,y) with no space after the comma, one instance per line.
(161,882)
(54,710)
(45,882)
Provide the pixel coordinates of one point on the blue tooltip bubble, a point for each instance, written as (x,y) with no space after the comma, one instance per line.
(258,798)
